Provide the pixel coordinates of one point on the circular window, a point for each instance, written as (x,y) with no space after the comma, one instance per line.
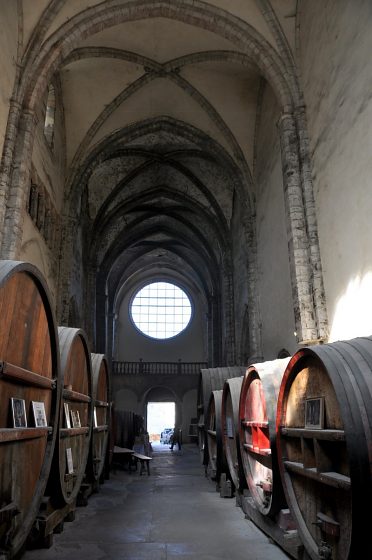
(161,310)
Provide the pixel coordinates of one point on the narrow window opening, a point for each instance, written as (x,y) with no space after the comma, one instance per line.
(50,115)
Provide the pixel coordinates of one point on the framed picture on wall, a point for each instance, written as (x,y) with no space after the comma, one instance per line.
(18,413)
(314,413)
(229,427)
(75,418)
(38,410)
(70,464)
(67,415)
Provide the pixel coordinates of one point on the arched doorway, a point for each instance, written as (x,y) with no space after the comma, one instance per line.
(162,410)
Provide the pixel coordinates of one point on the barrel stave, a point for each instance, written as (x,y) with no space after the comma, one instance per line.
(230,430)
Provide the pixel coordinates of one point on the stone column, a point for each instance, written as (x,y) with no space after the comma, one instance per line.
(311,223)
(228,311)
(254,316)
(19,187)
(298,241)
(68,231)
(7,161)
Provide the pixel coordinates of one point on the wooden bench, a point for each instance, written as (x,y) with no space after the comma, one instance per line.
(144,461)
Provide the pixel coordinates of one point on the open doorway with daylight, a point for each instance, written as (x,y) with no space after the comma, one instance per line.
(160,421)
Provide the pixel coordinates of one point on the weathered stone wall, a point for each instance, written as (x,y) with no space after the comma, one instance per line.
(241,279)
(131,345)
(8,59)
(42,216)
(274,283)
(337,89)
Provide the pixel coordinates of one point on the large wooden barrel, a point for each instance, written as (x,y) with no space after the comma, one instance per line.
(257,413)
(101,417)
(75,418)
(29,374)
(217,459)
(211,379)
(324,425)
(230,430)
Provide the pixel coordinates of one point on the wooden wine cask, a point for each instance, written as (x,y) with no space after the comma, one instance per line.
(211,379)
(217,459)
(75,418)
(230,430)
(257,414)
(29,372)
(324,425)
(101,417)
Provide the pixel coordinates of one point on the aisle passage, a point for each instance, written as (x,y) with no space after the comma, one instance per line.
(175,513)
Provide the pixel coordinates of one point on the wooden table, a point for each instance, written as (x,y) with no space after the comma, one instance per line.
(123,456)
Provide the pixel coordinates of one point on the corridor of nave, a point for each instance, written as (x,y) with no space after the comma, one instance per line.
(175,513)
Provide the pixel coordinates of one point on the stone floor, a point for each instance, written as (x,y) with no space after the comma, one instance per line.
(175,513)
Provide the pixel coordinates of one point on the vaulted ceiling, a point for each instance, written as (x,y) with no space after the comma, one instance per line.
(161,102)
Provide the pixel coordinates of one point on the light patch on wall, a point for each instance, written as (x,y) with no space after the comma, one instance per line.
(353,312)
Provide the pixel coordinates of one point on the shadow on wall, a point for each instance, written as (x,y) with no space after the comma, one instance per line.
(353,310)
(125,399)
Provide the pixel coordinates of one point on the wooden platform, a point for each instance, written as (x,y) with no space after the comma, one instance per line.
(48,522)
(287,539)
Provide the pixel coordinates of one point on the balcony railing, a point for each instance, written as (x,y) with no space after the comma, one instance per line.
(157,368)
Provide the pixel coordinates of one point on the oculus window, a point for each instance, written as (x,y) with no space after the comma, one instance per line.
(161,310)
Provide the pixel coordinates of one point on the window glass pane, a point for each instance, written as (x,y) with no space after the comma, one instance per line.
(161,310)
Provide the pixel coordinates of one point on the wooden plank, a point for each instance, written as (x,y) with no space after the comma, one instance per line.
(16,373)
(250,423)
(102,404)
(19,434)
(8,512)
(67,432)
(142,457)
(97,429)
(327,435)
(336,480)
(257,450)
(70,395)
(287,540)
(119,450)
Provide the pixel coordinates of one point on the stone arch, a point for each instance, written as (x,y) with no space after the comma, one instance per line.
(162,391)
(57,47)
(43,60)
(105,149)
